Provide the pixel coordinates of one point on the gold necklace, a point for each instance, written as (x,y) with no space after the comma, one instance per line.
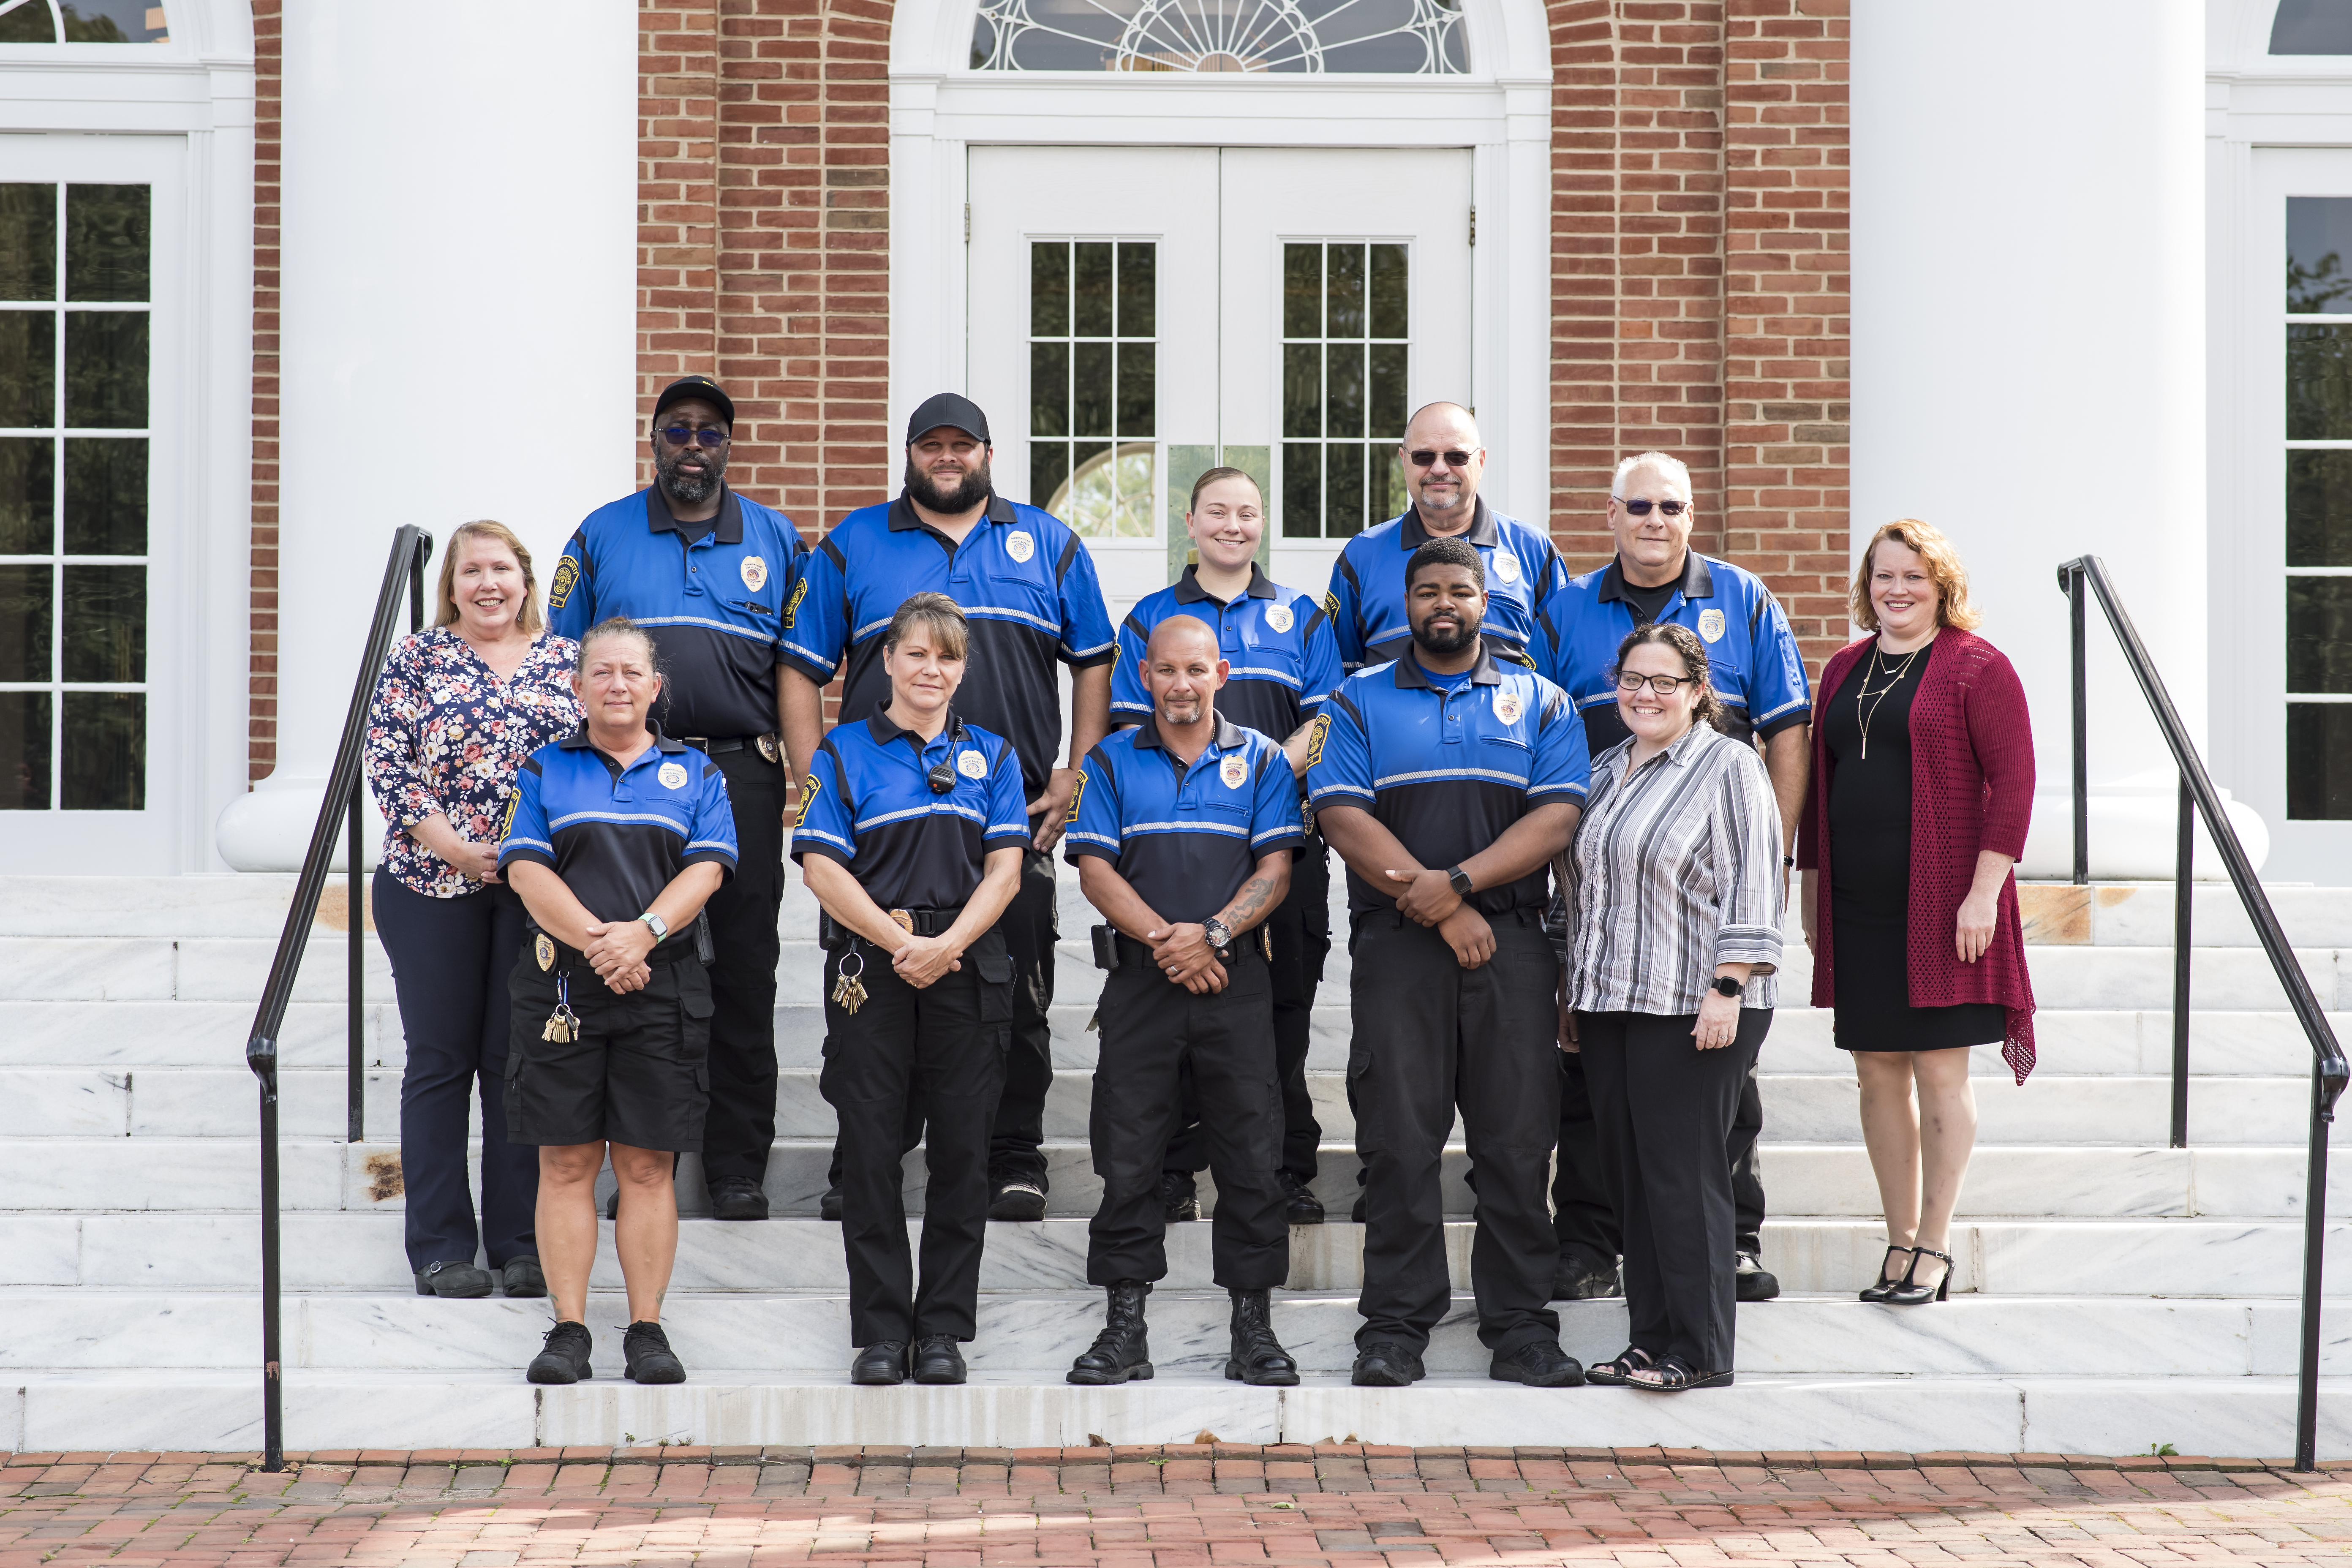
(1894,678)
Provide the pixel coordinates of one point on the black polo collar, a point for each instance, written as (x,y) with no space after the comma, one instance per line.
(1190,591)
(578,740)
(1229,735)
(1697,582)
(1412,534)
(728,526)
(1410,676)
(904,517)
(884,730)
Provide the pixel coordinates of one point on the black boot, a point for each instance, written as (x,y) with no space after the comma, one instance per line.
(1258,1357)
(1122,1350)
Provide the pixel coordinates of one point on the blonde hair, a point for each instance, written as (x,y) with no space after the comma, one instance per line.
(1928,541)
(624,629)
(445,612)
(937,614)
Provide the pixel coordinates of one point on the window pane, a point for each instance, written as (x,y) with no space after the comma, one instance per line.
(2311,27)
(2318,383)
(105,497)
(1388,291)
(29,24)
(1344,393)
(1137,401)
(1137,291)
(28,495)
(28,368)
(1049,464)
(28,238)
(27,609)
(113,22)
(1135,472)
(1090,391)
(24,748)
(2319,634)
(2319,759)
(1343,492)
(1302,290)
(1090,289)
(1049,390)
(2319,509)
(106,368)
(1087,501)
(1389,494)
(1302,389)
(1344,306)
(106,624)
(1302,491)
(105,242)
(106,752)
(1049,289)
(1387,406)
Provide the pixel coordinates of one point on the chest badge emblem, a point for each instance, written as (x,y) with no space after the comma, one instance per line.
(1234,770)
(1020,546)
(1507,707)
(1280,618)
(755,572)
(544,950)
(1710,624)
(1506,566)
(973,765)
(672,776)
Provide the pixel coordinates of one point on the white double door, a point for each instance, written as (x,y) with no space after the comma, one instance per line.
(1140,314)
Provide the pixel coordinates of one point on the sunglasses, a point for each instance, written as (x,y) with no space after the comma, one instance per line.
(1663,685)
(1642,509)
(1452,459)
(708,438)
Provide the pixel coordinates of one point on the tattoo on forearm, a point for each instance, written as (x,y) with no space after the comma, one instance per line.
(1248,902)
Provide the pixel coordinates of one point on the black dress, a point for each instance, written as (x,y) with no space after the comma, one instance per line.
(1869,871)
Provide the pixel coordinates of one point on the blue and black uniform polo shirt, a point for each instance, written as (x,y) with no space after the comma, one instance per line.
(710,594)
(619,836)
(1525,576)
(1028,590)
(1753,660)
(1284,653)
(868,803)
(1185,838)
(1447,762)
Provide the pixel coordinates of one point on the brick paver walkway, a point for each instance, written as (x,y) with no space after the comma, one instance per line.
(1205,1506)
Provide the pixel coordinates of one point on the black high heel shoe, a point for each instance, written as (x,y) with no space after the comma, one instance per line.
(1878,1292)
(1910,1295)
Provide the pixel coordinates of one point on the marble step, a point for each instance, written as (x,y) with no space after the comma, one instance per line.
(363,1252)
(221,1410)
(2139,914)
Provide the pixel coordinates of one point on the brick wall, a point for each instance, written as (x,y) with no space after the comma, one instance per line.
(262,673)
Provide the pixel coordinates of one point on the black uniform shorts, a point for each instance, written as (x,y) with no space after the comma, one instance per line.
(637,1073)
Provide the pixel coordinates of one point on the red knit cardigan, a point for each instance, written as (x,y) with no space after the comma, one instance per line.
(1971,789)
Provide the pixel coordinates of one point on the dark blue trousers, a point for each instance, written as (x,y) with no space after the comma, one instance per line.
(450,958)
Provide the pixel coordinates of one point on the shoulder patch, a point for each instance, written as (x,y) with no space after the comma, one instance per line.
(506,828)
(1330,606)
(1077,797)
(792,605)
(1315,738)
(559,587)
(809,787)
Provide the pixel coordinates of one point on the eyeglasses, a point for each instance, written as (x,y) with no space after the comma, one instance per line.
(1452,459)
(1663,685)
(1641,507)
(708,437)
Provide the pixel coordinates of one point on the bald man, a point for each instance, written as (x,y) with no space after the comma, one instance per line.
(1182,831)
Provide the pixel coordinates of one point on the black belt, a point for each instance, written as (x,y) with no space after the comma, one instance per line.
(711,745)
(1134,954)
(675,947)
(914,923)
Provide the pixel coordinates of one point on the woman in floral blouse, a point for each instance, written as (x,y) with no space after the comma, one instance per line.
(460,707)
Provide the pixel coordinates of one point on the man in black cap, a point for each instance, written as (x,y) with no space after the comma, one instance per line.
(706,572)
(1028,589)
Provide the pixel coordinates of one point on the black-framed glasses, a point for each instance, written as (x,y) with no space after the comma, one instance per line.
(1452,459)
(709,438)
(1641,507)
(1663,685)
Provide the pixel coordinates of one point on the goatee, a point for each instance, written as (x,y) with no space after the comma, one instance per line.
(1442,643)
(975,488)
(691,489)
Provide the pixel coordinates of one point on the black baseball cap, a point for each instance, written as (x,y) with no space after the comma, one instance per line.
(949,408)
(700,387)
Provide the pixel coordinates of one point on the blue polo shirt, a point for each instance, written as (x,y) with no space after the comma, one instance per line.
(1753,660)
(1447,771)
(710,594)
(1525,576)
(1284,653)
(1185,838)
(619,836)
(868,803)
(1027,587)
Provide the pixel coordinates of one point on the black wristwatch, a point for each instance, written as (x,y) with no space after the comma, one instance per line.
(1725,985)
(1461,882)
(1220,937)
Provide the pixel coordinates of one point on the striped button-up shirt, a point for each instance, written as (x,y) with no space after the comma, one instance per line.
(1677,868)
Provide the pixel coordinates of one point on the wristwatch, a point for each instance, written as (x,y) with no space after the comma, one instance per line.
(1461,880)
(656,924)
(1220,935)
(1725,985)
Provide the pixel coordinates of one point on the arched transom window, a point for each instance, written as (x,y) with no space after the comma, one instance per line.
(82,22)
(1417,37)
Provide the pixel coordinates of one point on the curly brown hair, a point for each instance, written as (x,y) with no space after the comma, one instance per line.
(1926,541)
(1706,707)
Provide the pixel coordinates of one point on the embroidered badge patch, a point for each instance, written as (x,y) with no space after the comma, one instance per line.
(1315,739)
(1019,546)
(1235,771)
(1506,566)
(1280,618)
(755,572)
(1507,707)
(1710,624)
(567,573)
(973,765)
(672,776)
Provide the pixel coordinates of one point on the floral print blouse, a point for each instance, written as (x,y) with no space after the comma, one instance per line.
(445,734)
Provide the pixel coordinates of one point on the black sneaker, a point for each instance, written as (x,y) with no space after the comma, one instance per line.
(452,1281)
(1016,1198)
(1384,1363)
(564,1357)
(829,1205)
(938,1359)
(738,1197)
(1356,1213)
(1178,1195)
(1302,1206)
(1538,1363)
(645,1350)
(613,1205)
(1752,1282)
(522,1278)
(880,1364)
(1579,1278)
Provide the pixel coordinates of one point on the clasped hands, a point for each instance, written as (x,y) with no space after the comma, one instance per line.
(1184,954)
(1428,899)
(618,949)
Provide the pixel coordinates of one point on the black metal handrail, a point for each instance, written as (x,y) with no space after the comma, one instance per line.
(2329,1070)
(411,547)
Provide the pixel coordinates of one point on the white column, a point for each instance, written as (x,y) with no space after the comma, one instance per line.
(2029,353)
(458,259)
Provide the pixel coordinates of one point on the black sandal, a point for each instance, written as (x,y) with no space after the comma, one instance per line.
(1908,1294)
(1617,1371)
(1675,1375)
(1888,1283)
